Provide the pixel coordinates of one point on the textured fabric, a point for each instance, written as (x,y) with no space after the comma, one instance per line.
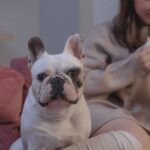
(102,112)
(11,92)
(111,69)
(117,140)
(8,134)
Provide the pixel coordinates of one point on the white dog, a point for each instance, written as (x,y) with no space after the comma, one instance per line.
(55,114)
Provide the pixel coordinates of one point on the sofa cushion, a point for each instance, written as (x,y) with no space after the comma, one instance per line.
(11,94)
(8,134)
(21,65)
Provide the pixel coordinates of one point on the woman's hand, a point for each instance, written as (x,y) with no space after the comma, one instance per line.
(143,57)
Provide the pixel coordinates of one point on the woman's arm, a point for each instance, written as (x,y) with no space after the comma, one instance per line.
(114,77)
(103,76)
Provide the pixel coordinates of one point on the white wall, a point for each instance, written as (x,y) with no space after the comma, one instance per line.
(54,21)
(86,17)
(19,18)
(104,10)
(58,19)
(93,12)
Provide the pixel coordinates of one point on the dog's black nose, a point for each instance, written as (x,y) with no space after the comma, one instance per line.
(57,81)
(57,84)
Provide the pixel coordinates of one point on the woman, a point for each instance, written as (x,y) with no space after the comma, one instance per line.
(117,66)
(118,62)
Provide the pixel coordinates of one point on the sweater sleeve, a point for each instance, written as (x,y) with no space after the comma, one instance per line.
(102,75)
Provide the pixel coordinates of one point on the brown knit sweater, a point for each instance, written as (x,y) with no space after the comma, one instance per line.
(112,70)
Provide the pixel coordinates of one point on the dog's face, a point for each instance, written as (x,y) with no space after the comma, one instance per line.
(57,80)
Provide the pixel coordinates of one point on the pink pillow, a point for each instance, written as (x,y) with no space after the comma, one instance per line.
(8,134)
(11,95)
(21,65)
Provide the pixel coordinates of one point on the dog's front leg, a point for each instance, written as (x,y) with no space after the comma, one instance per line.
(33,147)
(17,145)
(68,142)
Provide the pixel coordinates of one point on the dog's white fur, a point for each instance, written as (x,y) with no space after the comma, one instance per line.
(49,129)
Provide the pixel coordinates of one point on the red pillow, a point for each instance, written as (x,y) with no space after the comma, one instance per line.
(21,65)
(8,134)
(11,94)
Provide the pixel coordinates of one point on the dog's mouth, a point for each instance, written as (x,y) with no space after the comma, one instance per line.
(58,99)
(58,93)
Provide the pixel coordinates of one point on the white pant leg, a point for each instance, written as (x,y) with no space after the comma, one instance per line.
(116,140)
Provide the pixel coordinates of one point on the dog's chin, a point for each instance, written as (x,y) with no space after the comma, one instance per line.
(58,103)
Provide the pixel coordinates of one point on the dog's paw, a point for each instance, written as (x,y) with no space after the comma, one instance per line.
(68,142)
(58,148)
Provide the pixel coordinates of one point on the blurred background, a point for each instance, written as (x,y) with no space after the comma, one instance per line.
(52,20)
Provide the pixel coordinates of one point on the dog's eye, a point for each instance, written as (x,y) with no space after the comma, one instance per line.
(41,77)
(73,73)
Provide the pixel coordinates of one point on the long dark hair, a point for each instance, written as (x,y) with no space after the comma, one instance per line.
(127,27)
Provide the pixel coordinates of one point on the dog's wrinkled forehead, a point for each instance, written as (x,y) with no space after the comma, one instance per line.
(55,63)
(41,61)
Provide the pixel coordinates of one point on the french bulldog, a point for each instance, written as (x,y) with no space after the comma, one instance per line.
(55,113)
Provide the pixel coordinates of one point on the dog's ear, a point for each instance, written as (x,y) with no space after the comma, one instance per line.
(74,46)
(36,49)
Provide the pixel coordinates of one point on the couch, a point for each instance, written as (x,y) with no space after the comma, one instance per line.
(14,83)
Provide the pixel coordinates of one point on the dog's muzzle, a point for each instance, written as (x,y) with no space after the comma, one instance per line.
(57,85)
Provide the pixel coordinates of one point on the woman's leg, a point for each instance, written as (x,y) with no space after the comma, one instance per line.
(119,134)
(128,126)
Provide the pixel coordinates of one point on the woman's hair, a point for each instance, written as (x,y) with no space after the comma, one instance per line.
(127,27)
